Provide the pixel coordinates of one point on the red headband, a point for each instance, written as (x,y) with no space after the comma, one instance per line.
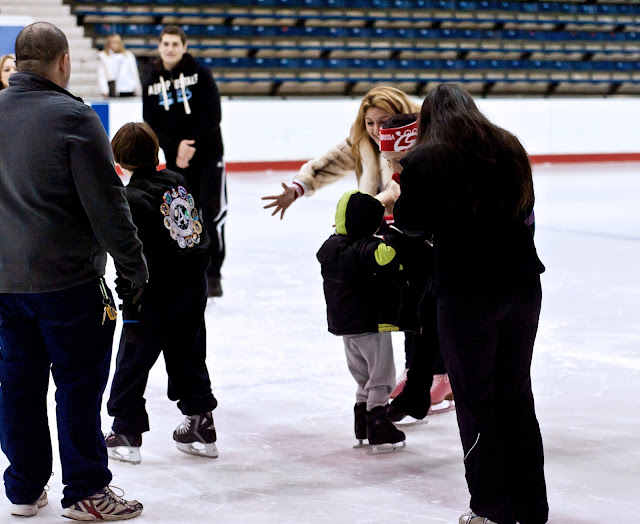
(398,139)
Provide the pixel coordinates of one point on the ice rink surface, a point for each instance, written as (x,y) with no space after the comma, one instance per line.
(285,416)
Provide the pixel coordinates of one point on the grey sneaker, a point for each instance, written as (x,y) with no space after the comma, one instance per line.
(472,518)
(29,510)
(103,505)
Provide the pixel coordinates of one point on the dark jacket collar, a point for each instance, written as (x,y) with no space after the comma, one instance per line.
(35,82)
(143,173)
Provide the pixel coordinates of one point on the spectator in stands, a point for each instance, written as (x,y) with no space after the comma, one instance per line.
(181,103)
(7,68)
(62,207)
(468,185)
(118,70)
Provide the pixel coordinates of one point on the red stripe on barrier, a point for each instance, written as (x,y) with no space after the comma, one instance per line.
(585,158)
(294,165)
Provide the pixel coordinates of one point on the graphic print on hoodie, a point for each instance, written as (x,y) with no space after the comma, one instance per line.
(184,104)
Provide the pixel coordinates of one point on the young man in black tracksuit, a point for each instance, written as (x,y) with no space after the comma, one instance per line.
(364,296)
(181,103)
(169,316)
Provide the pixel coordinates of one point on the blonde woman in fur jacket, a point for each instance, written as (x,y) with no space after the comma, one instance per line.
(359,154)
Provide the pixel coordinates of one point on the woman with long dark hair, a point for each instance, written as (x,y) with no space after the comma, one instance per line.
(468,188)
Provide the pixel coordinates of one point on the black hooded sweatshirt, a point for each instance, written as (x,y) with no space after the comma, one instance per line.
(165,213)
(188,108)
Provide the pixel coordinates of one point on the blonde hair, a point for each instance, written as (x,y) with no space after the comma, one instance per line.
(388,99)
(121,48)
(3,59)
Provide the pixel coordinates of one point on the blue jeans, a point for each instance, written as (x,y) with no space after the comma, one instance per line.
(61,331)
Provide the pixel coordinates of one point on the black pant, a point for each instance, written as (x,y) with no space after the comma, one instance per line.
(171,322)
(208,181)
(486,339)
(422,352)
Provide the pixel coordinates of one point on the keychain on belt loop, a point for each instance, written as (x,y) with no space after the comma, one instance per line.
(109,310)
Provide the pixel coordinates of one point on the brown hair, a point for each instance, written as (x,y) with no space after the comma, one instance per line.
(174,30)
(135,145)
(403,119)
(388,99)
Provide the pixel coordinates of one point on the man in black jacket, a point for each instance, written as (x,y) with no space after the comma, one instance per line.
(181,103)
(62,208)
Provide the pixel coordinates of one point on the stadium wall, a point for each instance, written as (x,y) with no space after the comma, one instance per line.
(281,134)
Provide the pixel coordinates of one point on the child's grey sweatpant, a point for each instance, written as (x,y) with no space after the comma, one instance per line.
(370,361)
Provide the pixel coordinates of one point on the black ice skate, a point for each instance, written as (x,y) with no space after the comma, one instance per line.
(360,423)
(197,436)
(382,434)
(125,448)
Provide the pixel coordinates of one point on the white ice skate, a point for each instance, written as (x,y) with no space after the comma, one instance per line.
(197,436)
(125,448)
(409,421)
(379,449)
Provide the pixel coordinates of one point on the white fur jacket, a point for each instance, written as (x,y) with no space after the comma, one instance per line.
(339,162)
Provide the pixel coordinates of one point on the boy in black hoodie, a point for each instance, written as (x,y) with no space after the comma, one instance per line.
(181,103)
(169,316)
(363,305)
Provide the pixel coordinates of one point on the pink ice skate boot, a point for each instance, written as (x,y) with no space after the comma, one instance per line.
(400,382)
(441,395)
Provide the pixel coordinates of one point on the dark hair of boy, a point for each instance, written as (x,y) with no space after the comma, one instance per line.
(135,145)
(174,30)
(400,120)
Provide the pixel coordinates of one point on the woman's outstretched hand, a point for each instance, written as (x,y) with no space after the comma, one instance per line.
(282,201)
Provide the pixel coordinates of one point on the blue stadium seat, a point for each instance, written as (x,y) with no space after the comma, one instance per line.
(313,63)
(193,29)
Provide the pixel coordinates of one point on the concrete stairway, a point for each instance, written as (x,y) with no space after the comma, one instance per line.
(84,58)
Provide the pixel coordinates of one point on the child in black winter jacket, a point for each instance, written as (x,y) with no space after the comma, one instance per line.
(364,303)
(169,316)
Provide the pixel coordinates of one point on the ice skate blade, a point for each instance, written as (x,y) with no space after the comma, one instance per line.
(379,449)
(361,444)
(409,421)
(127,454)
(443,407)
(199,449)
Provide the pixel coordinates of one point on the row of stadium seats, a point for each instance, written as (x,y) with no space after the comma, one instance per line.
(572,8)
(257,48)
(366,20)
(390,80)
(419,65)
(251,49)
(382,33)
